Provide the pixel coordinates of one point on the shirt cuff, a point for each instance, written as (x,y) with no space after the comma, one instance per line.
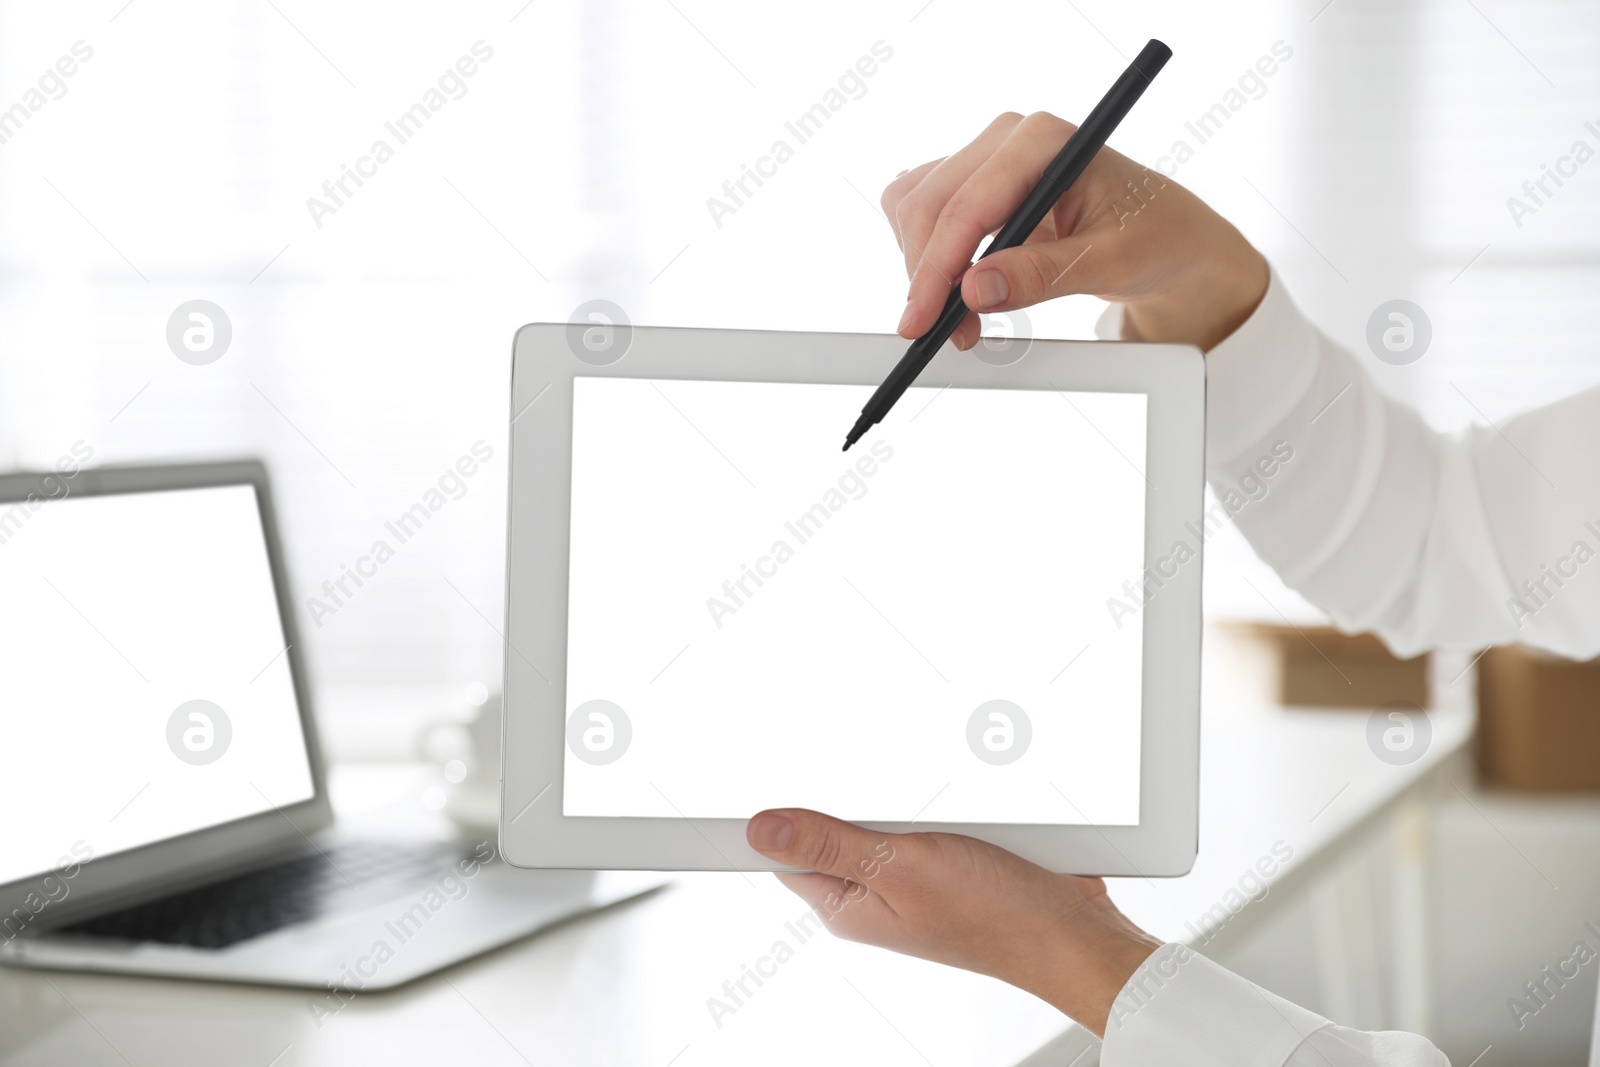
(1254,378)
(1179,1007)
(1258,375)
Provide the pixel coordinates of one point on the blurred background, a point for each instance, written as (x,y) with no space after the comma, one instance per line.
(586,157)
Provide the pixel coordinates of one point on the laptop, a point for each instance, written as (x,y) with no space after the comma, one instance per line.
(165,800)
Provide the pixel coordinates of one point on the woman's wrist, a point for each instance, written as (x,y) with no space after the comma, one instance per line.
(1081,971)
(1206,308)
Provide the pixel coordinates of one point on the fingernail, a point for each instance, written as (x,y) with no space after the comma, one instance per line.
(993,289)
(771,833)
(905,316)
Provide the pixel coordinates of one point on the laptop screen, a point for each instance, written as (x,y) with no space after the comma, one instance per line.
(147,689)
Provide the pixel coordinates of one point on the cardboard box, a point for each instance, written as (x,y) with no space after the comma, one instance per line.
(1321,667)
(1538,721)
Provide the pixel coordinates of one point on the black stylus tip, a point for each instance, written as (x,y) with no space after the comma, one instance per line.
(863,424)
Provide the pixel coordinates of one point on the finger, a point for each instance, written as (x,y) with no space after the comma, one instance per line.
(980,206)
(917,211)
(896,191)
(816,842)
(1030,273)
(967,333)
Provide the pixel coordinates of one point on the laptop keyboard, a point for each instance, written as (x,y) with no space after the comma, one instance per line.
(344,876)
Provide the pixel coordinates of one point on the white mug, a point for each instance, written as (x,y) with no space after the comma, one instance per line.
(467,745)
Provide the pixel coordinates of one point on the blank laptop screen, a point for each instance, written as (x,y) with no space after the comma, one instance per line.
(147,690)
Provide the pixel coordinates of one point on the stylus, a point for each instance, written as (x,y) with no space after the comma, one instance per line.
(1075,155)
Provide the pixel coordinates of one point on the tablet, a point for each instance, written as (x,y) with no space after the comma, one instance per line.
(984,618)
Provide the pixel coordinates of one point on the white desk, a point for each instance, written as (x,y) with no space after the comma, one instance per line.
(631,986)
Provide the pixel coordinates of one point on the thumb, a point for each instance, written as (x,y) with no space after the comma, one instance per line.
(812,841)
(1030,274)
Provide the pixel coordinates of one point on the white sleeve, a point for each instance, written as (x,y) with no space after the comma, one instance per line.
(1179,1007)
(1430,540)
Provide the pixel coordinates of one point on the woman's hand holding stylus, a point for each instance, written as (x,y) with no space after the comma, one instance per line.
(1123,232)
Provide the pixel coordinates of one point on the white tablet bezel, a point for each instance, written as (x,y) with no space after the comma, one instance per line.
(548,356)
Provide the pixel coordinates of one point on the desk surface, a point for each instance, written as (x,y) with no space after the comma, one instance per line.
(631,986)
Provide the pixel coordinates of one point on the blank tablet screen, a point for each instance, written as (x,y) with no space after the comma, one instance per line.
(930,627)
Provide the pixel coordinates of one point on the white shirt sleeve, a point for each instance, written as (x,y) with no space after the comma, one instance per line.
(1180,1008)
(1483,537)
(1458,541)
